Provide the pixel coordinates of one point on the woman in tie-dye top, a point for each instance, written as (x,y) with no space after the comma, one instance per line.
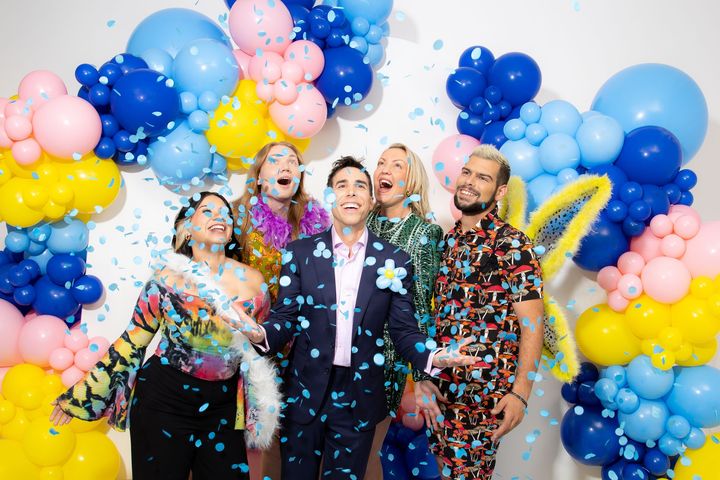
(205,392)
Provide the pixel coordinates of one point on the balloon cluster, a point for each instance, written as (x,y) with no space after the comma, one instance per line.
(77,355)
(44,118)
(32,447)
(405,454)
(40,242)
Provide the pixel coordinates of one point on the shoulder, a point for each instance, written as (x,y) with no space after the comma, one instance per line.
(243,272)
(432,231)
(308,242)
(381,249)
(508,234)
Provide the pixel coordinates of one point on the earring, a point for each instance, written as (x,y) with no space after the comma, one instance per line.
(407,194)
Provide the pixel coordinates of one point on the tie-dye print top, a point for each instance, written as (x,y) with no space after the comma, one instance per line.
(194,339)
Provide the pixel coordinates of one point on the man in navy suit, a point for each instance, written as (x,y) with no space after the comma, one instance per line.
(331,306)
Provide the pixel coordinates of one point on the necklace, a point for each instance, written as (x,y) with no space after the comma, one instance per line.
(386,228)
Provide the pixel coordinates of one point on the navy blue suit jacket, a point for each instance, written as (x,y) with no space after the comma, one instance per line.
(306,312)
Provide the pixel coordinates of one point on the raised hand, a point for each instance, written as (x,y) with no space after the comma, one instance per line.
(246,325)
(58,417)
(426,396)
(452,356)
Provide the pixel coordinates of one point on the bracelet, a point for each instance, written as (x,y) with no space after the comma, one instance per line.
(519,397)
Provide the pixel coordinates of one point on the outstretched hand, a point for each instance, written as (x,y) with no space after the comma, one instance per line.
(58,417)
(246,325)
(452,356)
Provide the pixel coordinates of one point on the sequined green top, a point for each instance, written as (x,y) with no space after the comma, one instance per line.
(420,240)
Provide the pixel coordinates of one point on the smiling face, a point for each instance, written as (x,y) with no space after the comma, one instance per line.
(211,223)
(476,188)
(279,175)
(390,177)
(353,199)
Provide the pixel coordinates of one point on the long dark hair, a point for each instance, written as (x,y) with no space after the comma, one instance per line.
(180,242)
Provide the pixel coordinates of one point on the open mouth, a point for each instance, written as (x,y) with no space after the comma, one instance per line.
(467,192)
(351,206)
(385,185)
(218,228)
(284,181)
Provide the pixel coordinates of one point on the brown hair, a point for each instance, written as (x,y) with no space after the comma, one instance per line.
(490,152)
(181,240)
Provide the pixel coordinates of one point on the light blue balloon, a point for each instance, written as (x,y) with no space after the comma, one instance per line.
(606,389)
(35,248)
(375,54)
(218,164)
(539,189)
(158,60)
(559,151)
(180,156)
(615,372)
(360,26)
(627,400)
(647,422)
(696,395)
(567,175)
(589,114)
(206,65)
(39,233)
(647,381)
(600,139)
(669,445)
(69,237)
(678,426)
(188,102)
(359,44)
(41,259)
(514,129)
(385,26)
(199,121)
(695,439)
(524,159)
(208,101)
(171,29)
(535,133)
(659,95)
(17,242)
(530,113)
(560,116)
(374,34)
(375,11)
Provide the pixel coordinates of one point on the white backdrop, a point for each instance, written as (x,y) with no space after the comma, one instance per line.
(577,43)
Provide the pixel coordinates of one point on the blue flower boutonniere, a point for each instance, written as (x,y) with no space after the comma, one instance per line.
(391,277)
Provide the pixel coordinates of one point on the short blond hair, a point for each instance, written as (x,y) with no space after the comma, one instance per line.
(490,152)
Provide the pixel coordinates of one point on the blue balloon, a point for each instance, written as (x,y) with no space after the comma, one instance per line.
(35,248)
(52,299)
(514,129)
(470,124)
(647,422)
(569,392)
(304,3)
(18,276)
(613,471)
(650,155)
(656,198)
(40,232)
(678,426)
(518,77)
(128,62)
(617,374)
(360,26)
(673,193)
(600,139)
(17,242)
(530,113)
(656,462)
(695,439)
(159,60)
(145,99)
(24,296)
(375,54)
(588,373)
(559,151)
(181,156)
(616,210)
(589,437)
(359,44)
(64,268)
(567,175)
(111,71)
(616,176)
(86,75)
(696,395)
(87,289)
(606,389)
(685,179)
(344,70)
(319,27)
(171,29)
(493,134)
(560,116)
(660,95)
(105,148)
(639,210)
(69,237)
(535,133)
(602,246)
(374,35)
(299,14)
(539,189)
(669,445)
(647,381)
(42,260)
(463,85)
(627,401)
(375,11)
(524,159)
(632,228)
(633,471)
(477,57)
(630,192)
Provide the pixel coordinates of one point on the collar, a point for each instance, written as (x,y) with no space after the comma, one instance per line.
(490,222)
(337,240)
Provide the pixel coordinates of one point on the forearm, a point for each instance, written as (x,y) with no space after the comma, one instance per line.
(531,342)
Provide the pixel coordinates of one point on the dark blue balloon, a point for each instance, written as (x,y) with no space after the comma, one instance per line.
(24,295)
(344,67)
(650,155)
(673,193)
(105,148)
(111,71)
(494,135)
(477,105)
(31,267)
(463,85)
(506,110)
(470,124)
(393,463)
(99,95)
(518,77)
(477,57)
(335,38)
(656,198)
(569,392)
(633,471)
(686,198)
(616,210)
(64,268)
(305,3)
(602,246)
(589,437)
(630,192)
(52,299)
(320,27)
(110,125)
(656,462)
(312,38)
(338,20)
(300,16)
(491,114)
(588,373)
(84,93)
(86,75)
(632,228)
(616,176)
(18,276)
(685,179)
(122,141)
(493,94)
(230,3)
(144,99)
(639,210)
(613,471)
(128,62)
(87,289)
(586,394)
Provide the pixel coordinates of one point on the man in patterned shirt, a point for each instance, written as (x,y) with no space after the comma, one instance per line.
(489,286)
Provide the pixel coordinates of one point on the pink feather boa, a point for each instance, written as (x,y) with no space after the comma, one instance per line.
(277,231)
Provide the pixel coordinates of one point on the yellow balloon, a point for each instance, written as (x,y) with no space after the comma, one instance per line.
(22,385)
(302,144)
(604,337)
(694,318)
(52,384)
(670,338)
(13,208)
(702,353)
(246,92)
(646,317)
(237,129)
(664,360)
(46,444)
(273,134)
(15,428)
(237,165)
(95,458)
(62,194)
(684,351)
(714,304)
(7,411)
(81,426)
(702,287)
(14,464)
(704,463)
(95,183)
(647,347)
(51,473)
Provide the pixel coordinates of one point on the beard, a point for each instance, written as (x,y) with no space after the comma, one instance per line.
(481,206)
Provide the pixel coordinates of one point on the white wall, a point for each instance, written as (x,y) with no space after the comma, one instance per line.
(577,43)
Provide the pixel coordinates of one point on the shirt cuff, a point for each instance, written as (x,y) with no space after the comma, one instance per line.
(263,346)
(429,369)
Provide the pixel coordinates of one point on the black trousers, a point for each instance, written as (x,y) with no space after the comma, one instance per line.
(181,424)
(331,439)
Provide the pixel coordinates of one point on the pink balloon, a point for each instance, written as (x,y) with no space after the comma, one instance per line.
(3,372)
(285,91)
(450,156)
(260,24)
(630,263)
(630,286)
(26,152)
(76,340)
(617,302)
(413,422)
(292,71)
(12,322)
(67,126)
(16,107)
(407,402)
(456,214)
(678,210)
(308,56)
(265,91)
(666,280)
(608,277)
(265,63)
(243,61)
(41,86)
(672,246)
(647,245)
(85,359)
(5,141)
(3,103)
(687,226)
(61,358)
(661,225)
(71,376)
(30,315)
(304,117)
(39,337)
(702,254)
(18,127)
(101,345)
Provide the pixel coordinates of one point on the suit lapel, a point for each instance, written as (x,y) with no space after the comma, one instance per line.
(326,276)
(367,282)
